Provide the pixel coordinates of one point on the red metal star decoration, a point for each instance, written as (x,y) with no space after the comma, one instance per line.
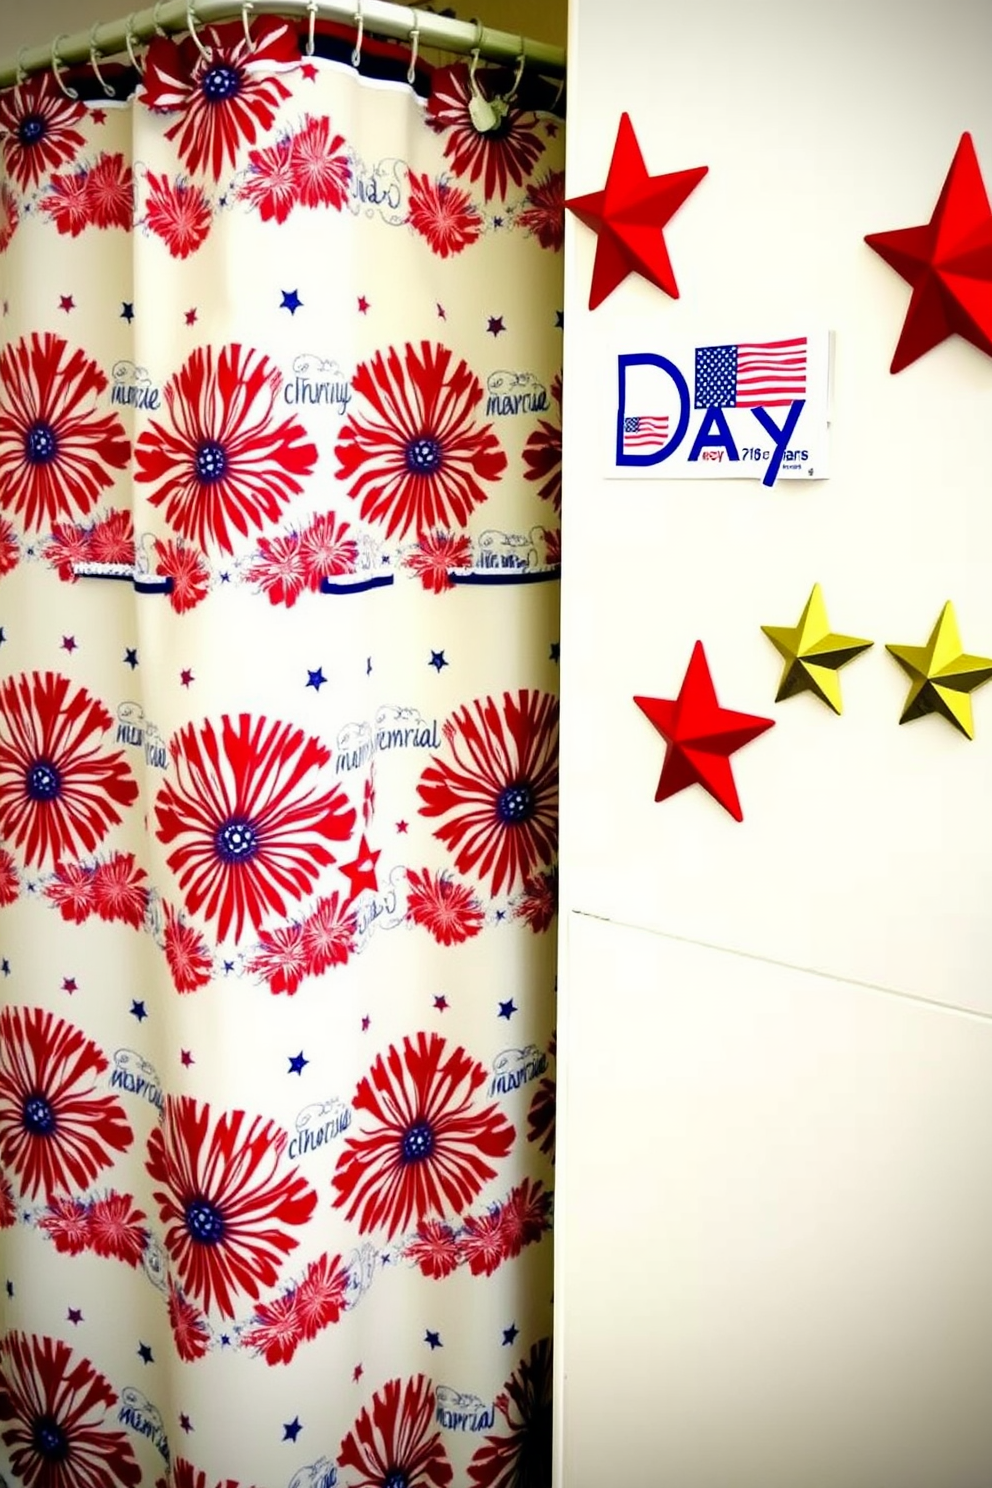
(948,262)
(629,214)
(701,736)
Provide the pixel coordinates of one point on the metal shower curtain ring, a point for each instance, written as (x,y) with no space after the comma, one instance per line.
(521,64)
(356,56)
(247,6)
(191,28)
(411,72)
(108,92)
(56,63)
(129,40)
(312,12)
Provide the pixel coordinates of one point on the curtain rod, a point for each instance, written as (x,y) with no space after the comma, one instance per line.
(381,16)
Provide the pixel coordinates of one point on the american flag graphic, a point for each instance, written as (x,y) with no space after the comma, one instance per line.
(644,433)
(755,375)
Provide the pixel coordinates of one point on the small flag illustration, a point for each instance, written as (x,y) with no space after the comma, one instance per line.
(757,375)
(643,434)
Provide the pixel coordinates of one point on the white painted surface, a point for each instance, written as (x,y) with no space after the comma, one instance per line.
(774,1220)
(865,846)
(774,1208)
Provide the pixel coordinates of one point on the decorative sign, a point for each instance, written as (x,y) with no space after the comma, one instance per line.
(723,410)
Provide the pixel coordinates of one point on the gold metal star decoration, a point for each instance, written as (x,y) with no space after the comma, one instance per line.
(943,676)
(813,653)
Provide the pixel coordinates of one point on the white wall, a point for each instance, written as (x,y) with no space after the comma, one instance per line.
(775,1193)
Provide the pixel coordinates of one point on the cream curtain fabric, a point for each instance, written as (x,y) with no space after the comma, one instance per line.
(279,507)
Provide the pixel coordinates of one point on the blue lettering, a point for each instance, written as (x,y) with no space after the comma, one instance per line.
(648,359)
(134,397)
(309,1140)
(123,1079)
(465,1420)
(302,390)
(780,437)
(715,417)
(129,1415)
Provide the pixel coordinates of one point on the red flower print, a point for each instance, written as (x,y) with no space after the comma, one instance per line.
(326,550)
(10,885)
(483,1243)
(186,952)
(434,555)
(395,1444)
(538,904)
(225,462)
(278,569)
(8,1209)
(177,212)
(542,457)
(525,1216)
(185,1475)
(112,540)
(57,1405)
(496,157)
(427,1144)
(57,451)
(321,1295)
(368,797)
(275,1332)
(418,460)
(246,823)
(71,890)
(36,129)
(223,105)
(118,891)
(271,182)
(435,1249)
(68,1224)
(321,171)
(9,551)
(100,196)
(541,1117)
(8,214)
(110,187)
(544,214)
(449,910)
(225,1200)
(552,548)
(68,203)
(443,215)
(58,793)
(184,565)
(281,958)
(328,935)
(56,1130)
(189,1327)
(117,1228)
(500,793)
(523,1455)
(69,545)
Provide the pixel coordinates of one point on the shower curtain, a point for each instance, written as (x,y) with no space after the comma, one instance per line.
(279,534)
